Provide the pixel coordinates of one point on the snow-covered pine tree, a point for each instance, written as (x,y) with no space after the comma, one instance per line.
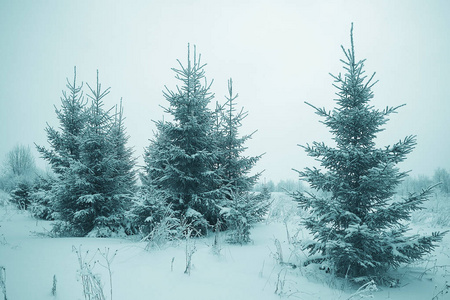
(105,173)
(65,148)
(359,229)
(219,138)
(240,208)
(65,144)
(94,167)
(123,171)
(235,166)
(180,161)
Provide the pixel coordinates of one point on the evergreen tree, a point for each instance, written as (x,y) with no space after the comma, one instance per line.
(240,208)
(106,171)
(65,145)
(94,166)
(124,172)
(94,171)
(358,227)
(180,161)
(21,195)
(235,166)
(42,197)
(65,149)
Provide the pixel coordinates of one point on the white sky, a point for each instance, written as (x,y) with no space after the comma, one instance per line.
(279,54)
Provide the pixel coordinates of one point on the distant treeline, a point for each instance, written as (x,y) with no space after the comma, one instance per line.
(412,184)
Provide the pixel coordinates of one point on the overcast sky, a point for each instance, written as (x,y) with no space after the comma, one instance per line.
(279,54)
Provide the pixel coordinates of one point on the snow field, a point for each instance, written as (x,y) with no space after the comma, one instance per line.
(239,272)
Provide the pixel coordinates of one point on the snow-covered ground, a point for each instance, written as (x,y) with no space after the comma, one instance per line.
(31,260)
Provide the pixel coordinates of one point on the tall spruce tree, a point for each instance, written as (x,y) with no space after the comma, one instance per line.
(235,166)
(94,166)
(95,171)
(105,172)
(123,171)
(65,144)
(65,148)
(180,161)
(240,208)
(358,227)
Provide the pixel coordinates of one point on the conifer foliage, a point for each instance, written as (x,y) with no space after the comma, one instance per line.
(195,163)
(180,162)
(94,166)
(358,227)
(235,166)
(65,144)
(240,208)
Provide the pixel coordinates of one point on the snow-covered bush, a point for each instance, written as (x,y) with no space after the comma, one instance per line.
(242,212)
(190,248)
(41,206)
(110,226)
(147,210)
(154,219)
(42,198)
(3,280)
(18,167)
(20,196)
(195,220)
(238,226)
(63,229)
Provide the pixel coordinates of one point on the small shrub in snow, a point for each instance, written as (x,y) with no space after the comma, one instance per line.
(64,229)
(217,244)
(167,229)
(3,240)
(21,195)
(92,284)
(365,291)
(285,286)
(283,209)
(279,288)
(238,226)
(148,209)
(111,226)
(190,249)
(242,212)
(108,260)
(279,254)
(196,221)
(54,286)
(439,294)
(3,281)
(42,198)
(153,218)
(41,205)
